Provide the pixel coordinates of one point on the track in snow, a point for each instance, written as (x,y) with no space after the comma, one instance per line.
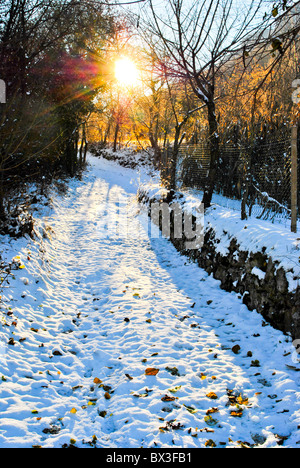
(103,306)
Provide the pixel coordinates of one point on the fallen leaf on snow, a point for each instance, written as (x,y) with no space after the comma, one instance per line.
(168,398)
(190,409)
(151,371)
(212,396)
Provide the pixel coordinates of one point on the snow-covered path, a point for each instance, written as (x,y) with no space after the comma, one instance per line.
(92,312)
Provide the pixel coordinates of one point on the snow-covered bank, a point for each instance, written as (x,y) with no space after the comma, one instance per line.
(275,240)
(257,259)
(119,341)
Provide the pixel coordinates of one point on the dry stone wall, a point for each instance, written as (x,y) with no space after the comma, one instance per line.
(258,278)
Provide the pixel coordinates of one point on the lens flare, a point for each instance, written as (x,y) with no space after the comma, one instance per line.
(126,72)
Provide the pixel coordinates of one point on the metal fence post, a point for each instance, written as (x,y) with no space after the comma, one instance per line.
(294,179)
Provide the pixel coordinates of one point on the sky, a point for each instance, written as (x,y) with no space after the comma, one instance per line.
(214,31)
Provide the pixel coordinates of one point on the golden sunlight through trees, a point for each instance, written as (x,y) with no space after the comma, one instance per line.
(126,72)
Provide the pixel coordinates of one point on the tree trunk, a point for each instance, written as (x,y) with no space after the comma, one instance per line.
(71,151)
(156,148)
(214,149)
(107,132)
(85,152)
(116,137)
(173,170)
(2,209)
(82,145)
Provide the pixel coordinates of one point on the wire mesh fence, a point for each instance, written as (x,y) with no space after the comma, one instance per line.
(257,177)
(269,192)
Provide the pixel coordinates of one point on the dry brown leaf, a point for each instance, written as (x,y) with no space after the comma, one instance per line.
(212,411)
(212,396)
(168,398)
(97,381)
(242,400)
(237,414)
(151,371)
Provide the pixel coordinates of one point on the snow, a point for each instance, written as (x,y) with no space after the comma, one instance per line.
(93,303)
(253,235)
(202,95)
(259,273)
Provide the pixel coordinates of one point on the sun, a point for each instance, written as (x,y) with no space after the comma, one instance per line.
(126,72)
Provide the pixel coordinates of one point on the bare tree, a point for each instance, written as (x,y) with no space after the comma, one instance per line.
(277,38)
(195,41)
(182,110)
(49,56)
